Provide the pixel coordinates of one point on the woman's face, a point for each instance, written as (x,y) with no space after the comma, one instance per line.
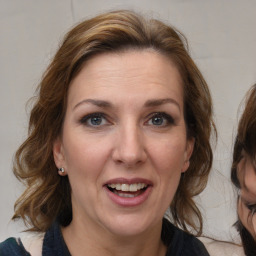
(247,199)
(124,144)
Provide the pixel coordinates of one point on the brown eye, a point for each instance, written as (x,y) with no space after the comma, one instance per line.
(251,208)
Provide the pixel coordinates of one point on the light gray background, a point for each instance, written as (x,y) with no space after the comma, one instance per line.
(222,39)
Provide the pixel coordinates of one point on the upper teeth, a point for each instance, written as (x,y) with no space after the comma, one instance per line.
(127,187)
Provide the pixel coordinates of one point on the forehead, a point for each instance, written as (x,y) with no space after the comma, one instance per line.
(129,61)
(247,176)
(126,71)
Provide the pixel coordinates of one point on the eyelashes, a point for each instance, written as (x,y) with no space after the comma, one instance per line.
(94,120)
(251,208)
(156,119)
(160,119)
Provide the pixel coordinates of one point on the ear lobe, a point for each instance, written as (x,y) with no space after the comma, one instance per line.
(58,155)
(188,153)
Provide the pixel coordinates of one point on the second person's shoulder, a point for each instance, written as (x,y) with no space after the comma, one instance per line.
(220,248)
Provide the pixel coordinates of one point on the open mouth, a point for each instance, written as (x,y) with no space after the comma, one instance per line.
(127,190)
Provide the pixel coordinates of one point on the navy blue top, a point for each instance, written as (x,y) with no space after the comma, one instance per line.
(177,241)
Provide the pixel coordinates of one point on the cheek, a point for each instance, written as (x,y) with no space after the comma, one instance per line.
(85,156)
(85,161)
(240,210)
(244,215)
(168,160)
(168,155)
(254,223)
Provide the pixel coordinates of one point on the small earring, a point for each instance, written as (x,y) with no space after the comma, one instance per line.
(61,169)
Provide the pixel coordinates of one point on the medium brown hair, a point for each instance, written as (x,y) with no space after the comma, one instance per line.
(47,195)
(246,135)
(245,140)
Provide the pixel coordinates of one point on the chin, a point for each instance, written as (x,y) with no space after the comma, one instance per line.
(128,226)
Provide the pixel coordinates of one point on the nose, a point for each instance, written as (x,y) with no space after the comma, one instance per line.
(129,147)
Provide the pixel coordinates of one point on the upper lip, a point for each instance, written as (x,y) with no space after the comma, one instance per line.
(129,181)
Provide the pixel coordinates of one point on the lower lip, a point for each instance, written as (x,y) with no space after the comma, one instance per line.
(129,201)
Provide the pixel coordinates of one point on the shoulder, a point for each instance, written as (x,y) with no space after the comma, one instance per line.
(12,246)
(33,243)
(192,246)
(216,248)
(182,243)
(28,245)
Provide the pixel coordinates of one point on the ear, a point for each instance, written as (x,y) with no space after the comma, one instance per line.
(58,154)
(188,153)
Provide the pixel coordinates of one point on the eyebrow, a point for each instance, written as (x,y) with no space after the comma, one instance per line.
(148,103)
(159,102)
(99,103)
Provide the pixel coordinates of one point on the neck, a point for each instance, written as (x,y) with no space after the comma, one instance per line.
(83,240)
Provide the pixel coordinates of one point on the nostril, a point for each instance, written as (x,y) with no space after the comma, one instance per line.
(128,158)
(129,148)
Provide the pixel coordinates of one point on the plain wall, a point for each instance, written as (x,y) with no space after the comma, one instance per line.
(222,40)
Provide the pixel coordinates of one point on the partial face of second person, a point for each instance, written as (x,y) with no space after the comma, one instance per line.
(124,143)
(247,199)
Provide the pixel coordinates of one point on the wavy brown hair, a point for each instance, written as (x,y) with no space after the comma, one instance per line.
(47,195)
(245,140)
(246,134)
